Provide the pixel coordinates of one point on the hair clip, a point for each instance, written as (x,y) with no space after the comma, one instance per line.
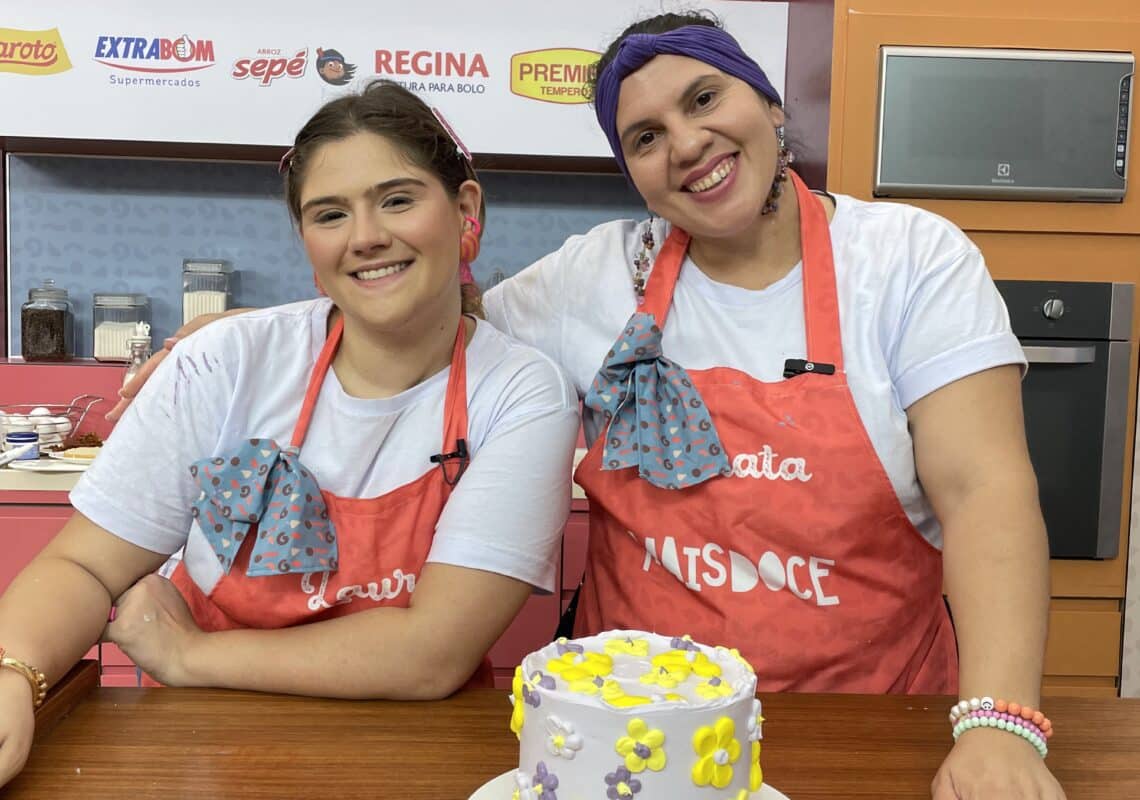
(286,161)
(460,148)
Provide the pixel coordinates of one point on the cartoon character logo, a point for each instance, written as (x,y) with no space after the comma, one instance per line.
(332,67)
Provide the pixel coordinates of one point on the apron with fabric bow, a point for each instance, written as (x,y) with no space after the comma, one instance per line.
(293,553)
(775,530)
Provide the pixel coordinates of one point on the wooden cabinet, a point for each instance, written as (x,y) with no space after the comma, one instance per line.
(24,531)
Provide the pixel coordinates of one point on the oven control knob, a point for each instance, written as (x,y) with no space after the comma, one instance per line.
(1053,308)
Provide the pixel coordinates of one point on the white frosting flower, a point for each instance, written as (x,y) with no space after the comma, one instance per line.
(561,740)
(524,787)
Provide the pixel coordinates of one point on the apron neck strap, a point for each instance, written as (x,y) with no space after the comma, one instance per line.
(455,404)
(821,303)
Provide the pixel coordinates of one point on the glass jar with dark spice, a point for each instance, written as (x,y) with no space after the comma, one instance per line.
(46,324)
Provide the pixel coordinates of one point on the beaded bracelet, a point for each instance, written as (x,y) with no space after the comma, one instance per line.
(992,719)
(963,707)
(1009,719)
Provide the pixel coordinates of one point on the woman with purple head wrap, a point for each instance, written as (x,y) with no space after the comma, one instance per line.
(803,408)
(764,466)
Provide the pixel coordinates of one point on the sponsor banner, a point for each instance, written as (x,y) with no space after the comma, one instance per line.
(511,80)
(32,52)
(557,75)
(268,65)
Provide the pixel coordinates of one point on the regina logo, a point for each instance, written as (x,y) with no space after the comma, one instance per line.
(32,52)
(556,76)
(140,54)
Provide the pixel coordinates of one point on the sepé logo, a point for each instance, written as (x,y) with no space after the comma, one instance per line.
(269,65)
(142,54)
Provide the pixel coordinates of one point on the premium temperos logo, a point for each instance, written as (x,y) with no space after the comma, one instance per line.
(269,65)
(32,52)
(556,75)
(155,55)
(434,70)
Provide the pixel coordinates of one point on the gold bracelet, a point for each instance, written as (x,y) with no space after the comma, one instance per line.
(36,678)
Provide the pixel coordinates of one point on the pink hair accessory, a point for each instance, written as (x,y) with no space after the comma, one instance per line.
(460,148)
(465,275)
(285,162)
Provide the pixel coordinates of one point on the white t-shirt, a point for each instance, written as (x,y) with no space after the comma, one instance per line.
(918,310)
(245,377)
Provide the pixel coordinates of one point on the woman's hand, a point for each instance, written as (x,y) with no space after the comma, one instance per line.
(994,765)
(154,626)
(132,387)
(17,723)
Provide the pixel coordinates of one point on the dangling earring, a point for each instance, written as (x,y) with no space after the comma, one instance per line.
(784,157)
(469,240)
(468,249)
(642,261)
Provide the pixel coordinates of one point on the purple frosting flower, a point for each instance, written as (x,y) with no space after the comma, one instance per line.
(677,643)
(545,681)
(531,698)
(563,646)
(547,780)
(619,776)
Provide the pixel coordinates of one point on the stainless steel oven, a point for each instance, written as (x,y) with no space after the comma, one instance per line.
(1076,337)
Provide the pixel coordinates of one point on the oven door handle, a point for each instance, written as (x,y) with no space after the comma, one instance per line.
(1035,354)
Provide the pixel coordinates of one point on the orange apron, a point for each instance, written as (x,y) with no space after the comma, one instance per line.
(383,541)
(803,558)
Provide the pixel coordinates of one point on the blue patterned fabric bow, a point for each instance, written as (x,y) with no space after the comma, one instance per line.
(656,419)
(264,485)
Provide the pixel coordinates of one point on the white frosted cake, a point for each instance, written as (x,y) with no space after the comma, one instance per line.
(629,714)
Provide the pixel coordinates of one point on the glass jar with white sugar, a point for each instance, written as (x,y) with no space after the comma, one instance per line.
(206,287)
(113,317)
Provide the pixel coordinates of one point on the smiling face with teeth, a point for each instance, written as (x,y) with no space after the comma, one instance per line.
(383,234)
(700,145)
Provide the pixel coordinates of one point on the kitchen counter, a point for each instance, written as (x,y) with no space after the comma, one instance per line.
(13,480)
(204,743)
(26,483)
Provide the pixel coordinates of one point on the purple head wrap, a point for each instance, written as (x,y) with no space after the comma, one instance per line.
(702,42)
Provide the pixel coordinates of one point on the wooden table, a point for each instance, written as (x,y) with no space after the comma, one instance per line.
(206,744)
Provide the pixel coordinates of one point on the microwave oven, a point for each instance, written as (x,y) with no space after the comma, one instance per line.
(1000,124)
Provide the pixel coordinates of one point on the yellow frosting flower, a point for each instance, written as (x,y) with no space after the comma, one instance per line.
(580,666)
(518,714)
(713,688)
(717,750)
(613,694)
(665,676)
(642,748)
(628,646)
(688,660)
(755,774)
(586,686)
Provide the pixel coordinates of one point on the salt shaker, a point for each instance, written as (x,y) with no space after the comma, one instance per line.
(139,344)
